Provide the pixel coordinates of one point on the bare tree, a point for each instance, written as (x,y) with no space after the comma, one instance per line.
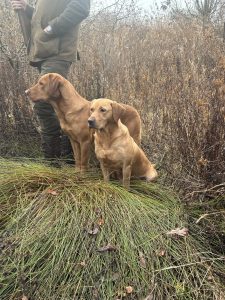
(207,11)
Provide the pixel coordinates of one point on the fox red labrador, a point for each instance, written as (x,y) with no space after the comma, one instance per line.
(73,112)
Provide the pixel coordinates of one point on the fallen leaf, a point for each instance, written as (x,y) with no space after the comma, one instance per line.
(108,247)
(52,192)
(93,231)
(161,252)
(101,222)
(129,289)
(178,232)
(82,264)
(142,259)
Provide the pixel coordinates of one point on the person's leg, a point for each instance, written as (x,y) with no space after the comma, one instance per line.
(54,143)
(50,130)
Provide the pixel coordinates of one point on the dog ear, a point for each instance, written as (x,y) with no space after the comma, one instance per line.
(54,83)
(117,111)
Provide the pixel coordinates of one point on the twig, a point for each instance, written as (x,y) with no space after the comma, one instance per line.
(209,214)
(190,264)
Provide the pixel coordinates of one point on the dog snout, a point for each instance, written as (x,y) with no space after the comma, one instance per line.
(91,122)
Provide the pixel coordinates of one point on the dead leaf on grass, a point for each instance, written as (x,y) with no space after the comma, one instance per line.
(142,259)
(129,289)
(93,231)
(178,232)
(108,248)
(82,263)
(161,252)
(52,192)
(101,222)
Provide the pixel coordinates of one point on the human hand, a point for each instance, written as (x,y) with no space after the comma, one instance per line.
(48,30)
(19,4)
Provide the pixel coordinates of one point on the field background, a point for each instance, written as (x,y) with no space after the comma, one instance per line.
(169,63)
(164,62)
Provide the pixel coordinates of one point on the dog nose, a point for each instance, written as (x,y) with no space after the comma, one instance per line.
(91,122)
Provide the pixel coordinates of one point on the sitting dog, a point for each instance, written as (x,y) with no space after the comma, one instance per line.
(73,112)
(114,147)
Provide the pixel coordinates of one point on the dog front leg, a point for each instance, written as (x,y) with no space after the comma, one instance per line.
(77,154)
(85,155)
(126,176)
(105,172)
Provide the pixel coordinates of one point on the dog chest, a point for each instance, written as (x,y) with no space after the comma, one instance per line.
(110,157)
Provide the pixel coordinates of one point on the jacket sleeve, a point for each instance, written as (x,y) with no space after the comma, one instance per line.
(29,11)
(75,12)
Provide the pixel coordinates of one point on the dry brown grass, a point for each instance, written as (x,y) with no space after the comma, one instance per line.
(164,68)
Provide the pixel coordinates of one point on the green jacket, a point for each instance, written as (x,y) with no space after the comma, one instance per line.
(65,17)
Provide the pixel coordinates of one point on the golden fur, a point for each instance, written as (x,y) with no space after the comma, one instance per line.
(114,147)
(73,112)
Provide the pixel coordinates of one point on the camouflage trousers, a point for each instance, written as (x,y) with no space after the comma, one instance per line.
(54,143)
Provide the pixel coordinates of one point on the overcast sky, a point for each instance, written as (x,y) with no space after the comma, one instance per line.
(148,5)
(142,3)
(145,4)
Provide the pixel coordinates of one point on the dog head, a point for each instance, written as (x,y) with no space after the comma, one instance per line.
(104,112)
(47,88)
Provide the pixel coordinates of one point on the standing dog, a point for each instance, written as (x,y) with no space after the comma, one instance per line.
(73,112)
(114,147)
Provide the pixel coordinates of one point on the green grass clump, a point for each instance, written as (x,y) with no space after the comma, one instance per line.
(56,224)
(210,215)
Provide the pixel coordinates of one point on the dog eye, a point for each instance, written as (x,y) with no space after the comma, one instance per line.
(92,109)
(102,109)
(41,83)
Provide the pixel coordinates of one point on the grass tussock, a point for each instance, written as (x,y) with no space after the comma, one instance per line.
(67,236)
(210,216)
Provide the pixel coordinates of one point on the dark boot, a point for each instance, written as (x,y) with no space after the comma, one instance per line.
(66,150)
(52,151)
